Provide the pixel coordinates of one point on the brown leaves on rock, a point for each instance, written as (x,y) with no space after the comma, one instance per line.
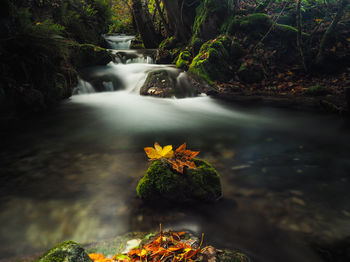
(166,246)
(183,158)
(178,160)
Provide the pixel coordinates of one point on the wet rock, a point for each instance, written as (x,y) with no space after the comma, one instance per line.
(163,57)
(86,55)
(67,251)
(137,43)
(164,184)
(164,83)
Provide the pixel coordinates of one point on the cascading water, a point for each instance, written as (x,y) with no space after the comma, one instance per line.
(129,71)
(119,42)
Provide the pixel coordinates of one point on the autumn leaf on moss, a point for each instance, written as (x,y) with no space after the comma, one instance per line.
(158,152)
(183,158)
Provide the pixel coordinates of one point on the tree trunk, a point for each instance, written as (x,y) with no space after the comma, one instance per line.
(144,24)
(299,35)
(180,17)
(331,28)
(165,23)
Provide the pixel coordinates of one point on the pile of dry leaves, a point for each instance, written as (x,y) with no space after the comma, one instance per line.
(165,246)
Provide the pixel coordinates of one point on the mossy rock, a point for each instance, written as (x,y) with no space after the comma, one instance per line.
(316,91)
(212,61)
(250,73)
(87,55)
(164,184)
(67,251)
(183,60)
(210,15)
(254,25)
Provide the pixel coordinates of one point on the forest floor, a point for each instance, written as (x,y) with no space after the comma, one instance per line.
(287,90)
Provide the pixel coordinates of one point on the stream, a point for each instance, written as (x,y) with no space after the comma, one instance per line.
(73,174)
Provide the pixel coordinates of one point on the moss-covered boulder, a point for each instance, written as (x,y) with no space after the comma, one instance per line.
(164,83)
(67,251)
(183,60)
(250,73)
(163,183)
(254,25)
(210,15)
(86,55)
(212,61)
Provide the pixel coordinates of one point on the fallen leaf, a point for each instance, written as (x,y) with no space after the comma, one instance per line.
(158,152)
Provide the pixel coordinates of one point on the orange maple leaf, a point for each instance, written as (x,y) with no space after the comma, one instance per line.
(183,157)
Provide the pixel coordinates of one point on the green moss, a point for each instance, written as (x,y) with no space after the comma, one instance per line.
(67,251)
(211,63)
(254,25)
(163,183)
(256,21)
(316,91)
(183,60)
(168,43)
(210,15)
(86,55)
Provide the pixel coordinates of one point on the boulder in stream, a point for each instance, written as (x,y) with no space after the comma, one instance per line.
(164,83)
(67,251)
(163,183)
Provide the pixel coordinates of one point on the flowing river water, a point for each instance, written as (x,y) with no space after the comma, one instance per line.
(73,174)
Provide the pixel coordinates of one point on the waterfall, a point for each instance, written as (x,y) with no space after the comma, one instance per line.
(119,42)
(83,87)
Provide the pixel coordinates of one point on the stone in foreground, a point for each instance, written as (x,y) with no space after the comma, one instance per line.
(164,184)
(67,251)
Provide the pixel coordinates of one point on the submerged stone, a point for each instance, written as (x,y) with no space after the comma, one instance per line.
(163,183)
(67,251)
